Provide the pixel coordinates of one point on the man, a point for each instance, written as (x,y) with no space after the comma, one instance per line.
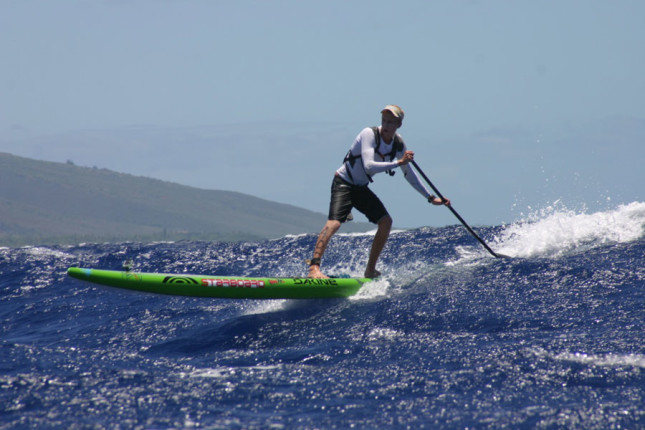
(375,150)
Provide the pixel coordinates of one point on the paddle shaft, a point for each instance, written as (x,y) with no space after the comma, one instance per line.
(414,163)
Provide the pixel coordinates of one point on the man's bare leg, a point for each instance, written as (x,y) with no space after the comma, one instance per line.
(380,238)
(331,227)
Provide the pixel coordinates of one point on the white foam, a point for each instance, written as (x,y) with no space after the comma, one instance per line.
(367,233)
(601,360)
(372,290)
(266,306)
(556,230)
(605,360)
(224,372)
(42,251)
(290,236)
(378,333)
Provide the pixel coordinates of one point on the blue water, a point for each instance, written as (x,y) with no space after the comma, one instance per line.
(448,338)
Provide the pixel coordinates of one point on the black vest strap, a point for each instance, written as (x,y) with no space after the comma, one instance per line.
(397,145)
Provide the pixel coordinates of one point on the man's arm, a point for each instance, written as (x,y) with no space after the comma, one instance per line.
(368,155)
(413,179)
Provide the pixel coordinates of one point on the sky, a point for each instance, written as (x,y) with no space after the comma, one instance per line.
(512,106)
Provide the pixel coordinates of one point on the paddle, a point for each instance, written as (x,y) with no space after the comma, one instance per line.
(414,163)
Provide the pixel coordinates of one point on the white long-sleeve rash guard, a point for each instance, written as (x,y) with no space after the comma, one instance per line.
(370,162)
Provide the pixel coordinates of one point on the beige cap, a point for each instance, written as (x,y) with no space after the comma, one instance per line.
(396,111)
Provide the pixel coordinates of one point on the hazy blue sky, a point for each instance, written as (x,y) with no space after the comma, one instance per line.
(509,103)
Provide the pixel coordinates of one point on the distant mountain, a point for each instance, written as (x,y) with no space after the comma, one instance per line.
(44,202)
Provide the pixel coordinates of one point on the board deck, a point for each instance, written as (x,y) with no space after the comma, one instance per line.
(232,287)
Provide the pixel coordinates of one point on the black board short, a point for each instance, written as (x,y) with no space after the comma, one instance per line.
(345,196)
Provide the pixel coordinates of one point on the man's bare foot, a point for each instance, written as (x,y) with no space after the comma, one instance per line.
(315,273)
(372,274)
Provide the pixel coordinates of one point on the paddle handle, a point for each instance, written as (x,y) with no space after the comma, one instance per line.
(465,224)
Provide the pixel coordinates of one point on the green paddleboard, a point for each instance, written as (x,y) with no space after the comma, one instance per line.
(229,287)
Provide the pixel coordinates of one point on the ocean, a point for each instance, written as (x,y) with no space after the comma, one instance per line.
(448,338)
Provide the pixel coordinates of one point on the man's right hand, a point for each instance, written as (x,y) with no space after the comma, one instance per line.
(407,157)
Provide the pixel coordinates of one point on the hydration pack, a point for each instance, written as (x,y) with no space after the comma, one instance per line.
(397,145)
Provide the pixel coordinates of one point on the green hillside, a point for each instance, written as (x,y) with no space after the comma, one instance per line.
(45,203)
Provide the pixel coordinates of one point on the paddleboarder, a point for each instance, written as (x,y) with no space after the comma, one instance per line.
(375,150)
